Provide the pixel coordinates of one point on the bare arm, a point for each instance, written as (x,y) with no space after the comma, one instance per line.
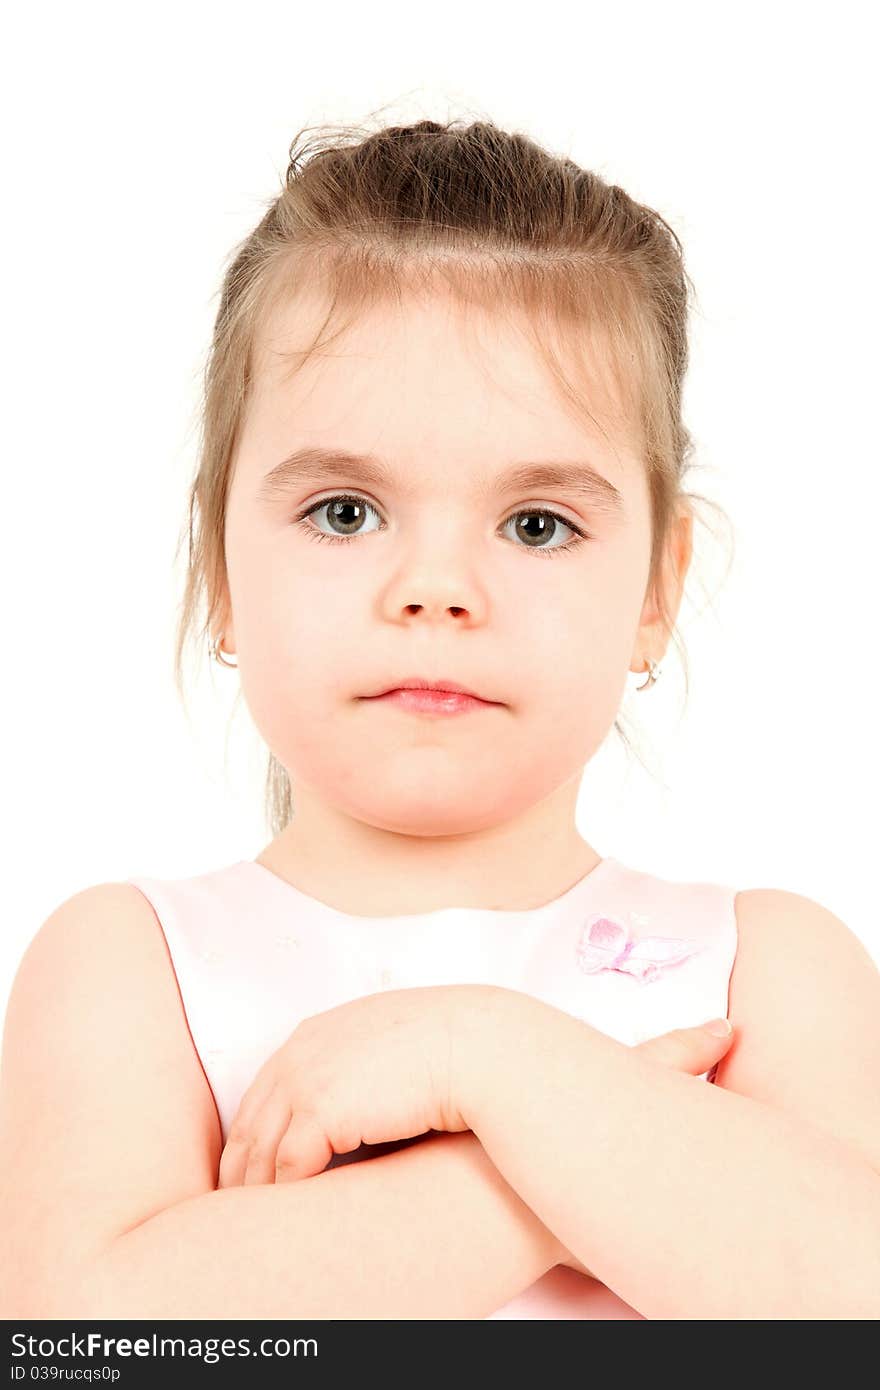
(431,1231)
(109,1151)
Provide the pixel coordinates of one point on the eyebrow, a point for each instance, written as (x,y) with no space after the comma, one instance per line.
(329,464)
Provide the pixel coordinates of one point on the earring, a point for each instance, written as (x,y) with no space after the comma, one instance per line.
(216,652)
(654,672)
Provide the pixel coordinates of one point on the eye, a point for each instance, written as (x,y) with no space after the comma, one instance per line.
(542,529)
(341,508)
(343,505)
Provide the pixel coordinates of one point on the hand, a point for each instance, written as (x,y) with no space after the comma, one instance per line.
(691,1050)
(371,1070)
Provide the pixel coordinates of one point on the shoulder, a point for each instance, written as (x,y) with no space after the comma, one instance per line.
(775,925)
(105,940)
(111,915)
(102,959)
(787,940)
(804,1001)
(100,902)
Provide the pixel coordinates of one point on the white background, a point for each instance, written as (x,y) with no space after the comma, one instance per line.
(140,146)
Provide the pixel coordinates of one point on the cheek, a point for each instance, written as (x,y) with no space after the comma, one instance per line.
(576,642)
(575,653)
(287,624)
(286,685)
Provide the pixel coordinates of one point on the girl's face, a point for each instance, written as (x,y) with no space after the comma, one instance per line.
(439,577)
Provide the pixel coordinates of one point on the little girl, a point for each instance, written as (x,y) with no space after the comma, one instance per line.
(431,1054)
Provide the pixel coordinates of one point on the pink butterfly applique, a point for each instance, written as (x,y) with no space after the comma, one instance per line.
(606,945)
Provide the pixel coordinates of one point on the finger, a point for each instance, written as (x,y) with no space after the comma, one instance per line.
(233,1160)
(271,1125)
(692,1050)
(304,1150)
(240,1141)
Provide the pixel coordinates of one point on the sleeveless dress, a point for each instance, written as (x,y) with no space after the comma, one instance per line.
(254,955)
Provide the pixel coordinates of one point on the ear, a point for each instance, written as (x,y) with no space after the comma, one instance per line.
(653,636)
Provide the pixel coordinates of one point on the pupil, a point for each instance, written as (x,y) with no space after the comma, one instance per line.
(337,507)
(540,521)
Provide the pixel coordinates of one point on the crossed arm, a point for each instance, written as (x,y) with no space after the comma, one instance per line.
(755,1197)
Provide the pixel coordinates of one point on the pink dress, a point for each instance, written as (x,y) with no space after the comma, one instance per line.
(631,954)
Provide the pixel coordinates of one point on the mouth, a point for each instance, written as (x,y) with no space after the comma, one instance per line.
(436,686)
(423,695)
(440,702)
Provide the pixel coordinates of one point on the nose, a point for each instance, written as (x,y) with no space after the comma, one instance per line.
(453,608)
(438,572)
(437,590)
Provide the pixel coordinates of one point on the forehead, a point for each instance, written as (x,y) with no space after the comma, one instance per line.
(429,376)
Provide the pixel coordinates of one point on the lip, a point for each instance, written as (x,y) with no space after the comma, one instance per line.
(434,684)
(418,700)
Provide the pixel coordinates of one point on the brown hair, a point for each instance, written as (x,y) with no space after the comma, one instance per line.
(504,224)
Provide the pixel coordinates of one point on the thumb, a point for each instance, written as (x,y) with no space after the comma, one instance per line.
(692,1050)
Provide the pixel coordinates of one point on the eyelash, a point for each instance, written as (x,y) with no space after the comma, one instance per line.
(314,534)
